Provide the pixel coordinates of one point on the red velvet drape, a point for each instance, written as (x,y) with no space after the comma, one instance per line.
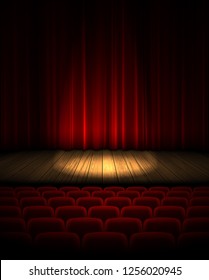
(104,74)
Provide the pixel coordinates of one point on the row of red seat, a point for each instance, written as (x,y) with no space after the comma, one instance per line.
(119,202)
(83,225)
(104,212)
(150,244)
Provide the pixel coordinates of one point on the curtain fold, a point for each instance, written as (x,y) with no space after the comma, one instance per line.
(104,75)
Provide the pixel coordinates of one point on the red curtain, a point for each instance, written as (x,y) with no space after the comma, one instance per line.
(104,74)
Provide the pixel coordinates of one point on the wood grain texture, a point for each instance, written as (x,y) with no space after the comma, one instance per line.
(104,167)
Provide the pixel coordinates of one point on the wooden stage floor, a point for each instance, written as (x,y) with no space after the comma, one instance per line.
(104,167)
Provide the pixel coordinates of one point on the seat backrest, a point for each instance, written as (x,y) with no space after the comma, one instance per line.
(103,194)
(199,201)
(140,212)
(54,193)
(175,193)
(162,224)
(42,189)
(175,201)
(159,188)
(152,202)
(69,188)
(158,194)
(119,202)
(130,194)
(115,189)
(26,193)
(125,225)
(88,202)
(103,212)
(170,211)
(77,194)
(39,225)
(55,202)
(91,189)
(68,212)
(81,226)
(32,201)
(139,189)
(30,212)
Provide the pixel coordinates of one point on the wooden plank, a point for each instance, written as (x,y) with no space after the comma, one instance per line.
(14,162)
(148,164)
(123,173)
(95,168)
(82,169)
(164,169)
(196,162)
(138,174)
(178,167)
(109,171)
(68,170)
(33,171)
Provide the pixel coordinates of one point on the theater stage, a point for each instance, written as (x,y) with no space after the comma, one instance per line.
(104,167)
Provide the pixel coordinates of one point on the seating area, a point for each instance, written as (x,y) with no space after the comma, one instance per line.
(136,221)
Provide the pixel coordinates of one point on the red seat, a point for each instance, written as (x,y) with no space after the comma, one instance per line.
(91,189)
(199,201)
(30,212)
(55,202)
(39,225)
(197,211)
(10,211)
(77,194)
(24,188)
(49,194)
(108,244)
(11,224)
(119,202)
(103,212)
(115,189)
(162,224)
(128,226)
(158,194)
(147,201)
(182,188)
(7,193)
(69,188)
(185,194)
(196,225)
(103,194)
(175,201)
(81,226)
(68,212)
(152,244)
(9,201)
(159,188)
(140,212)
(49,243)
(22,194)
(32,201)
(177,212)
(198,193)
(139,189)
(88,202)
(46,188)
(130,194)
